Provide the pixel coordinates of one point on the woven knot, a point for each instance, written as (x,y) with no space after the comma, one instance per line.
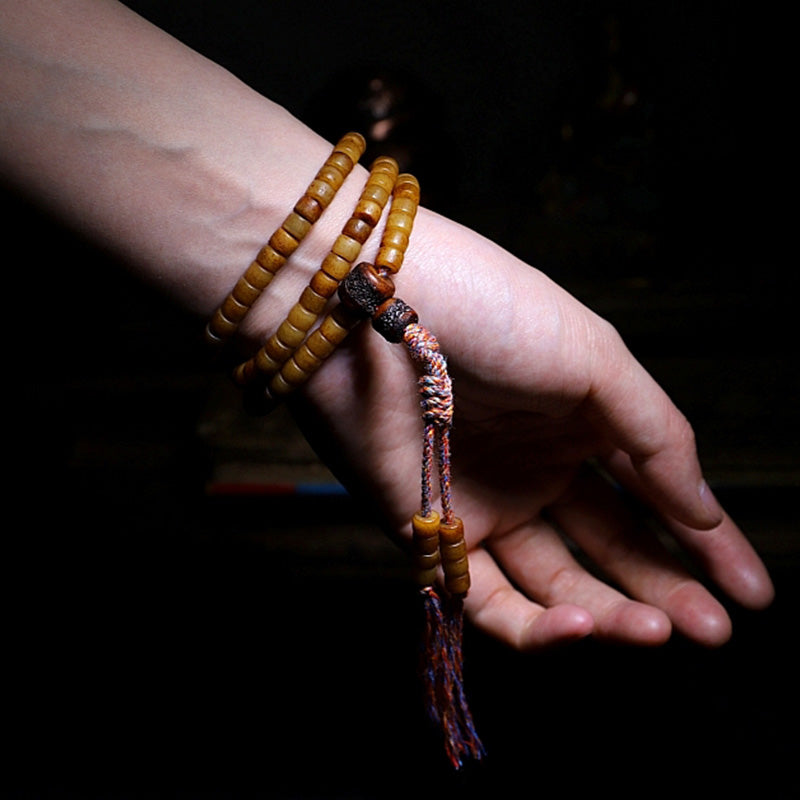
(435,386)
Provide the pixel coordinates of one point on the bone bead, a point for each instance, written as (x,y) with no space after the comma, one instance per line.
(365,289)
(285,240)
(392,318)
(425,539)
(453,549)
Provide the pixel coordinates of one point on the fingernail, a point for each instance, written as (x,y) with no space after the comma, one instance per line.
(711,505)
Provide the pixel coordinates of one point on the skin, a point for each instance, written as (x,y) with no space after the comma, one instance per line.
(181,171)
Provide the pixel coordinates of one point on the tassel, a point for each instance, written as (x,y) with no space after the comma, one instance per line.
(444,681)
(441,542)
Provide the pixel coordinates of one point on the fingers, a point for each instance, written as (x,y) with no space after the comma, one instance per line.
(603,525)
(532,571)
(642,421)
(723,552)
(505,613)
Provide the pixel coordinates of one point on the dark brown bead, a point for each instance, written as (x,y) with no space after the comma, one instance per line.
(392,318)
(365,288)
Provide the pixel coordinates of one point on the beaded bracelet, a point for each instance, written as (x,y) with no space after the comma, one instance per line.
(297,349)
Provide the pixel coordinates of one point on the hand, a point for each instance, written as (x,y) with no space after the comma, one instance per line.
(561,441)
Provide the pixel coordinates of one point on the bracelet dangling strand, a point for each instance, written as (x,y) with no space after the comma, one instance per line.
(297,349)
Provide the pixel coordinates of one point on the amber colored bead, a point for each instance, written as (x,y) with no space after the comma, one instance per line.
(283,242)
(290,335)
(392,318)
(395,237)
(305,359)
(270,260)
(337,325)
(276,350)
(347,248)
(453,548)
(313,301)
(341,161)
(233,310)
(322,192)
(352,144)
(331,175)
(309,208)
(357,229)
(279,386)
(390,258)
(294,374)
(335,266)
(319,345)
(365,288)
(425,538)
(245,292)
(323,284)
(368,210)
(219,328)
(300,317)
(296,225)
(265,363)
(244,373)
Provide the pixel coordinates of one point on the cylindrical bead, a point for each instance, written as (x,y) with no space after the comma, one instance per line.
(425,539)
(364,289)
(245,292)
(390,258)
(296,225)
(336,326)
(276,350)
(301,318)
(453,548)
(346,247)
(309,208)
(352,144)
(319,345)
(357,229)
(290,335)
(335,266)
(313,301)
(269,258)
(233,309)
(305,359)
(369,211)
(322,192)
(266,363)
(392,318)
(279,387)
(283,242)
(293,373)
(323,284)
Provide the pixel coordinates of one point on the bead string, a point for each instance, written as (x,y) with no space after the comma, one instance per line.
(285,240)
(291,355)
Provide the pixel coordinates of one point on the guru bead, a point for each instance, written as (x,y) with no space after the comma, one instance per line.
(365,289)
(453,548)
(392,318)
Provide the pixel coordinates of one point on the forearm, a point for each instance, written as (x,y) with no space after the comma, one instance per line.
(145,146)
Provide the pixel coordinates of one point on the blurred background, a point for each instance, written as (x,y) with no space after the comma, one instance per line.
(193,604)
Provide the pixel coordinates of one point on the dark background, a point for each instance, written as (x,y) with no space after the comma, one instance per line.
(166,639)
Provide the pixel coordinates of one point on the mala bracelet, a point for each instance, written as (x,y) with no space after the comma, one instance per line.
(294,352)
(285,240)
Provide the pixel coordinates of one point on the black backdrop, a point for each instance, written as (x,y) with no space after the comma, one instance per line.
(156,648)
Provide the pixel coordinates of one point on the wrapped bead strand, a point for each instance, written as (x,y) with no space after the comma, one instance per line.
(285,240)
(309,356)
(304,314)
(292,355)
